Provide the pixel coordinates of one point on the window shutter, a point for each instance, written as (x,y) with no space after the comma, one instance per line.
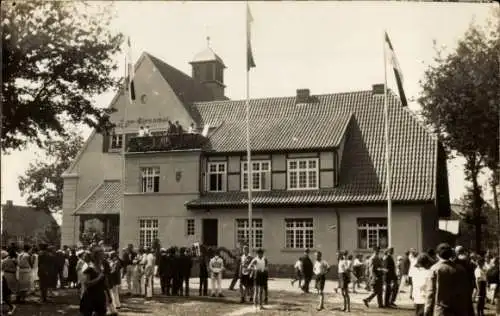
(105,142)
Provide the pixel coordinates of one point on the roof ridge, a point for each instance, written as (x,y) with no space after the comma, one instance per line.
(282,97)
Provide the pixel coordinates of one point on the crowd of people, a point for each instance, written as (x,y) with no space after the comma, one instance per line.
(441,282)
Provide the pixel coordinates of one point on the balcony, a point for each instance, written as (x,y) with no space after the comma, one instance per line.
(166,143)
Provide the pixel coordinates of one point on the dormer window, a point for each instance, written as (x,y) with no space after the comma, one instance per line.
(303,174)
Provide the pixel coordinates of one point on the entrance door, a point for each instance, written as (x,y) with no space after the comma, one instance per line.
(210,232)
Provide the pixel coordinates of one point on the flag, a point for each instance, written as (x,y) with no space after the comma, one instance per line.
(250,61)
(131,71)
(397,70)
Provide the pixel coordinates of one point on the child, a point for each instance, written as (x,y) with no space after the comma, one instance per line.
(298,273)
(216,266)
(344,279)
(259,266)
(480,275)
(321,268)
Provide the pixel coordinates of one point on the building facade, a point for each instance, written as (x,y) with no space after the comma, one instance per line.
(318,169)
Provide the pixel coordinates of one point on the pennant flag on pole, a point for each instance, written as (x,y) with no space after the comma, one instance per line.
(397,70)
(131,71)
(250,60)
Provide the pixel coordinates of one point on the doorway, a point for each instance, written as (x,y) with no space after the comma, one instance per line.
(210,232)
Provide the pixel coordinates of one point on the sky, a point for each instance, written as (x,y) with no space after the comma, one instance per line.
(326,47)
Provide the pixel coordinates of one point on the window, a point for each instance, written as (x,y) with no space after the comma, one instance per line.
(372,232)
(148,232)
(216,177)
(116,141)
(150,179)
(299,233)
(303,174)
(243,232)
(190,227)
(261,175)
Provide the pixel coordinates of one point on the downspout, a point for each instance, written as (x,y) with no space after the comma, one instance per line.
(337,215)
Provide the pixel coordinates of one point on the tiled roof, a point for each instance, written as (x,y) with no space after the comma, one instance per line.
(340,195)
(25,221)
(363,168)
(105,199)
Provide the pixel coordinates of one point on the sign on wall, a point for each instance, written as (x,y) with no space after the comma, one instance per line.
(142,121)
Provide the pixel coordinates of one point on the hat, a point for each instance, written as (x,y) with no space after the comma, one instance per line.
(79,252)
(163,250)
(459,250)
(4,254)
(400,258)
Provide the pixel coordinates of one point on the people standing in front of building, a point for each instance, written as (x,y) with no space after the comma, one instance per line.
(307,270)
(446,289)
(376,278)
(413,260)
(244,275)
(344,271)
(128,259)
(115,279)
(320,269)
(9,268)
(298,273)
(481,283)
(162,265)
(259,265)
(203,272)
(93,301)
(237,254)
(45,266)
(216,266)
(404,268)
(420,276)
(6,290)
(34,269)
(357,270)
(390,278)
(138,272)
(72,276)
(141,132)
(186,266)
(178,128)
(24,274)
(149,272)
(462,259)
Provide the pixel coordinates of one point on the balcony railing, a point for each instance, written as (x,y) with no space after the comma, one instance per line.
(166,142)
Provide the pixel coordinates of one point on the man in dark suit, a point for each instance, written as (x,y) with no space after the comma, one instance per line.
(307,270)
(446,293)
(462,259)
(390,278)
(186,264)
(44,267)
(237,254)
(376,278)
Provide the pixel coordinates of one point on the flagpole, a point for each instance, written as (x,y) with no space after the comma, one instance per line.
(249,157)
(387,153)
(128,102)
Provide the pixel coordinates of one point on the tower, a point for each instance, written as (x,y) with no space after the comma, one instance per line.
(208,68)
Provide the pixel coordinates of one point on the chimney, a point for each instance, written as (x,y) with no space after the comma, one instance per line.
(303,96)
(378,89)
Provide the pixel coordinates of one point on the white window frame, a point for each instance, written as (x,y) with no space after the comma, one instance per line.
(374,226)
(148,225)
(222,174)
(150,173)
(298,170)
(190,227)
(302,232)
(116,141)
(260,173)
(242,228)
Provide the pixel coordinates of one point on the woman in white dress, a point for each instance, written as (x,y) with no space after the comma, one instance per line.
(34,270)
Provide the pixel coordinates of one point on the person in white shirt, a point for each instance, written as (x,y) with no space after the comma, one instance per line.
(138,264)
(147,132)
(216,268)
(298,273)
(259,266)
(344,271)
(480,274)
(320,269)
(413,260)
(244,275)
(142,132)
(149,272)
(421,274)
(192,129)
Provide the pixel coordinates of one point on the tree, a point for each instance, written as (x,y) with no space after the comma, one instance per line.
(56,55)
(42,182)
(460,99)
